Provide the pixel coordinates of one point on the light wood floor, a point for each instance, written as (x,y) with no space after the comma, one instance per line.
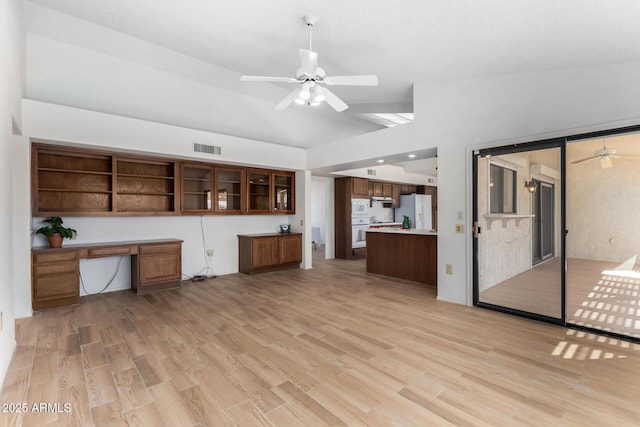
(607,302)
(330,346)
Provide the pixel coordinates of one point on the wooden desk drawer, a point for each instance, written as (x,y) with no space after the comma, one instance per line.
(55,256)
(105,252)
(55,268)
(61,286)
(163,248)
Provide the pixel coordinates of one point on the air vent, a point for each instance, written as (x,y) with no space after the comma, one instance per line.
(209,149)
(371,172)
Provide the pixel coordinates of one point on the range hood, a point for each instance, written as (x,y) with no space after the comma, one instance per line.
(382,199)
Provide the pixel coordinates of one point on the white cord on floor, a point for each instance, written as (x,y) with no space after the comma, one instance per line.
(108,283)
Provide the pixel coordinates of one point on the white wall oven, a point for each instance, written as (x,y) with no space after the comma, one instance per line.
(359,227)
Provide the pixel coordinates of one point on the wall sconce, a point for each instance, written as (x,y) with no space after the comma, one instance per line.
(530,186)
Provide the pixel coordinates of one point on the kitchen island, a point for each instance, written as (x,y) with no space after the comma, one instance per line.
(406,254)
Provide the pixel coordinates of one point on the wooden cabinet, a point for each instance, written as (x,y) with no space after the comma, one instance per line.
(67,182)
(395,194)
(267,252)
(407,189)
(145,186)
(158,266)
(56,279)
(271,192)
(386,189)
(377,188)
(230,190)
(360,188)
(84,182)
(283,192)
(197,182)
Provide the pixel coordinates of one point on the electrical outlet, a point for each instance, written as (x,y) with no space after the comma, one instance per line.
(209,252)
(301,222)
(448,268)
(459,228)
(459,215)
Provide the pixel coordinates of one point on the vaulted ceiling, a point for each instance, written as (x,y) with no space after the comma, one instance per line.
(401,42)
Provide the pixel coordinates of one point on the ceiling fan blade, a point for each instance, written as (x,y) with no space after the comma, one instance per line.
(370,80)
(584,160)
(287,100)
(268,79)
(624,156)
(335,102)
(309,61)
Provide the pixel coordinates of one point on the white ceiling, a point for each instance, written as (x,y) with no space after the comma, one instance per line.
(401,42)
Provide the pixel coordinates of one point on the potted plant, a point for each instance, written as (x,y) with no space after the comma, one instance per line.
(55,232)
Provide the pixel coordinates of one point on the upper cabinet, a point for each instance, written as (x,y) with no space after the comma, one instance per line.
(283,192)
(230,189)
(271,192)
(360,188)
(83,182)
(197,182)
(145,186)
(65,181)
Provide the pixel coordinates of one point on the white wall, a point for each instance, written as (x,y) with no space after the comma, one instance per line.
(11,89)
(602,211)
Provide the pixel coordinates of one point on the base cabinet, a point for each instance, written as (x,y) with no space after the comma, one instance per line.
(158,267)
(155,264)
(259,253)
(56,279)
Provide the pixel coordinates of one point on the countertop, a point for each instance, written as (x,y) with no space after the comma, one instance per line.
(384,224)
(420,231)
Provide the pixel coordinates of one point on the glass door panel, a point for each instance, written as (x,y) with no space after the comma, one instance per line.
(196,188)
(229,190)
(603,239)
(512,212)
(259,191)
(283,192)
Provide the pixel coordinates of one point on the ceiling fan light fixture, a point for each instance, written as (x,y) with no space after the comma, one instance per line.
(299,101)
(605,162)
(305,91)
(318,94)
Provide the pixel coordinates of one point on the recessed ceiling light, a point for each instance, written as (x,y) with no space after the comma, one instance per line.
(380,161)
(413,156)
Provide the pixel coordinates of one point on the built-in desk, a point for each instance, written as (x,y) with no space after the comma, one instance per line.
(55,278)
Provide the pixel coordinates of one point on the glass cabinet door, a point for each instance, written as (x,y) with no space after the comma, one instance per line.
(259,191)
(196,188)
(229,190)
(283,193)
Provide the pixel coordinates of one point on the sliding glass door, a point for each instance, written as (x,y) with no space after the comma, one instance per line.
(518,264)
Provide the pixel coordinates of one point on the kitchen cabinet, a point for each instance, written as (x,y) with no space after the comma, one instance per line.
(395,195)
(283,192)
(360,188)
(386,189)
(407,189)
(258,253)
(377,189)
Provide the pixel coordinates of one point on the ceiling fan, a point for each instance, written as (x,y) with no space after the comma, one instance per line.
(605,155)
(310,77)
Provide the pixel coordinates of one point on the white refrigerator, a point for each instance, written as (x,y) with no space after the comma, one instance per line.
(418,208)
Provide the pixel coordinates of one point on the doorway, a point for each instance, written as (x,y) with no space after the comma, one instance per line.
(543,234)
